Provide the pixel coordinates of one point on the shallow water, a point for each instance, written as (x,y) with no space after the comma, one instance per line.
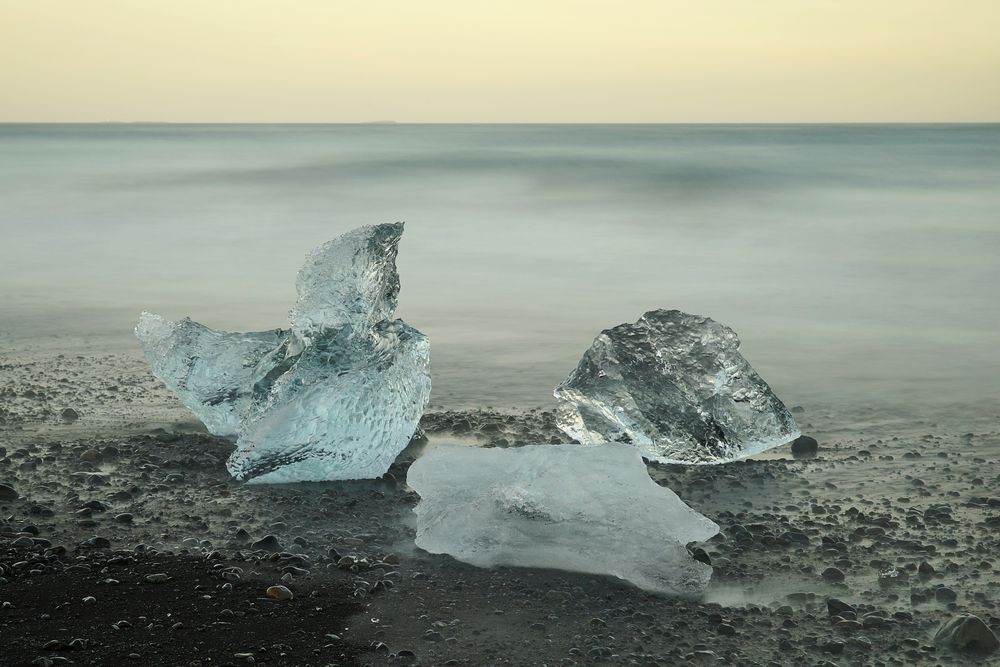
(859,263)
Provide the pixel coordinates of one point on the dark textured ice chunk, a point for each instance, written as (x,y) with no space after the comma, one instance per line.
(675,386)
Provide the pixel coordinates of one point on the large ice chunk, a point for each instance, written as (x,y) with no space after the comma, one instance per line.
(585,509)
(344,410)
(337,396)
(676,386)
(209,370)
(348,283)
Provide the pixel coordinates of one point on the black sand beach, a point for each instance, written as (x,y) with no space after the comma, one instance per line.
(854,556)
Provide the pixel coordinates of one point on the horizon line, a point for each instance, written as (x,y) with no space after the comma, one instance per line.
(404,122)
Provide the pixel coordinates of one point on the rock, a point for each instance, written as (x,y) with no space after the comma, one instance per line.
(836,606)
(69,415)
(266,543)
(804,446)
(157,578)
(8,493)
(97,542)
(945,595)
(91,456)
(967,633)
(833,574)
(279,593)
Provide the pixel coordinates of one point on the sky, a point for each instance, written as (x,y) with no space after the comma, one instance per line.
(440,61)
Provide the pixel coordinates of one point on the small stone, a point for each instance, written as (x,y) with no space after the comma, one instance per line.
(8,493)
(90,599)
(69,415)
(97,542)
(967,633)
(833,574)
(836,607)
(804,446)
(124,517)
(945,594)
(157,578)
(267,543)
(279,593)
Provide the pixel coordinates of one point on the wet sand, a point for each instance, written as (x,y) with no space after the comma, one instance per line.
(852,557)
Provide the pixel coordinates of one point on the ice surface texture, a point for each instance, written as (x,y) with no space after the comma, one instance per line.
(336,396)
(584,509)
(676,386)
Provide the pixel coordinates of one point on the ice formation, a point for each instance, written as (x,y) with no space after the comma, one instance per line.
(676,386)
(336,396)
(584,509)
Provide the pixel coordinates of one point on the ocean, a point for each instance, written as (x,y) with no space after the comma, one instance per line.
(860,264)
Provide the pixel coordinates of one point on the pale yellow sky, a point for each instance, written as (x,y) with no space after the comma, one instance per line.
(500,60)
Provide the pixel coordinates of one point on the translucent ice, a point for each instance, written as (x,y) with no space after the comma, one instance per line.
(676,386)
(337,396)
(585,509)
(210,370)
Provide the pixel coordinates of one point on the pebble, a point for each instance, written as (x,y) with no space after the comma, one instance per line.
(91,456)
(266,543)
(157,578)
(279,593)
(833,574)
(804,446)
(967,633)
(8,493)
(945,594)
(836,606)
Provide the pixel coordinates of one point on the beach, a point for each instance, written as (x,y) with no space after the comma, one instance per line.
(894,516)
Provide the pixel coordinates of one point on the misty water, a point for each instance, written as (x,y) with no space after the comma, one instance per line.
(859,263)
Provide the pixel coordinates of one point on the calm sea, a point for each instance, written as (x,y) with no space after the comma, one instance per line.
(858,262)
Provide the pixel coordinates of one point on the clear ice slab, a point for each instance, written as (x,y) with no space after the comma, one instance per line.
(567,507)
(676,387)
(336,396)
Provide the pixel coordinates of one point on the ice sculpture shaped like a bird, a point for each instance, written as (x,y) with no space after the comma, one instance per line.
(336,396)
(676,386)
(584,509)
